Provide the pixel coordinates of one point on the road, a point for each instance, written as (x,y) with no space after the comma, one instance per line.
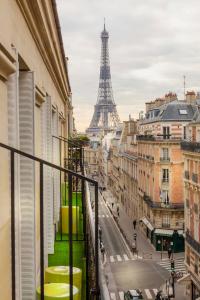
(125,271)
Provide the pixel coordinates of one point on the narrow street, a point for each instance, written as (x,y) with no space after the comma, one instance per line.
(125,271)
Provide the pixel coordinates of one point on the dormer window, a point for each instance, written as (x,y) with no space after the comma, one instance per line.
(183,112)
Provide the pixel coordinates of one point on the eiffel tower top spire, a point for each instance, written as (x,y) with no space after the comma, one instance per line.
(105,115)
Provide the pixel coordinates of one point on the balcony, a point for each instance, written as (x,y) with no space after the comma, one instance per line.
(162,205)
(159,137)
(187,175)
(195,177)
(67,239)
(192,242)
(190,146)
(164,159)
(165,180)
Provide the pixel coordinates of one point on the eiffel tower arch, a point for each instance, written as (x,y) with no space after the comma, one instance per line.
(105,117)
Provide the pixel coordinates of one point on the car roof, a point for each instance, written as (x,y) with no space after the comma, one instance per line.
(134,293)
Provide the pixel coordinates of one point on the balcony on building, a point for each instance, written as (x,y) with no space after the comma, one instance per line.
(192,242)
(162,205)
(158,137)
(164,159)
(190,146)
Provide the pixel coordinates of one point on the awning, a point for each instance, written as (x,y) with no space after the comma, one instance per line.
(147,223)
(168,232)
(185,279)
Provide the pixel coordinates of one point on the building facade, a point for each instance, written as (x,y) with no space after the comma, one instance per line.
(191,152)
(35,104)
(160,173)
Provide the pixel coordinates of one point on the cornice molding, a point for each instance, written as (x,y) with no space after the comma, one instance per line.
(7,63)
(39,23)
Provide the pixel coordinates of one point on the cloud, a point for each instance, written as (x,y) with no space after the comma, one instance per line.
(152,44)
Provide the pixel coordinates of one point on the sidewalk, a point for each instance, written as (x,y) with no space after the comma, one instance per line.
(144,246)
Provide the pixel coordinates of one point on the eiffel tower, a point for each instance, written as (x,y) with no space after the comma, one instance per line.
(105,117)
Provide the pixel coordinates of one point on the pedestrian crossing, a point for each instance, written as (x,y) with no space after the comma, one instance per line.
(178,263)
(146,293)
(104,216)
(121,258)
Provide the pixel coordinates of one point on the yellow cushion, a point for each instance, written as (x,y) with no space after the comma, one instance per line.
(55,291)
(65,219)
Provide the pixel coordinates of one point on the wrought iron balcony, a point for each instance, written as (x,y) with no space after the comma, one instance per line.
(194,177)
(192,242)
(71,191)
(165,159)
(159,137)
(162,205)
(187,175)
(190,146)
(165,180)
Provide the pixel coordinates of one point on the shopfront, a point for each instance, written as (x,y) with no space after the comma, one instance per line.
(163,239)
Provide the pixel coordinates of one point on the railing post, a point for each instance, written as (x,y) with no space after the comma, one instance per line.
(12,171)
(41,231)
(70,236)
(96,241)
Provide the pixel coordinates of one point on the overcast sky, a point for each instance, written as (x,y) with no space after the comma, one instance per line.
(152,44)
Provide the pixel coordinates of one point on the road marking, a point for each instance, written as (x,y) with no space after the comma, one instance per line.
(121,295)
(148,293)
(107,216)
(112,296)
(103,216)
(125,257)
(155,291)
(119,258)
(112,259)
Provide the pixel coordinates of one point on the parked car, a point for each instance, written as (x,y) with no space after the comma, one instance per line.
(133,295)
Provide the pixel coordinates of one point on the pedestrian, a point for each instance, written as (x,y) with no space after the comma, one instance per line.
(133,246)
(169,252)
(112,204)
(134,224)
(100,233)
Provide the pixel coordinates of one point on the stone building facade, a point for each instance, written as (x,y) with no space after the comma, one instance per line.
(191,152)
(160,173)
(35,103)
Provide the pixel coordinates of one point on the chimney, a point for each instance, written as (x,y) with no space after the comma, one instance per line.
(170,97)
(190,97)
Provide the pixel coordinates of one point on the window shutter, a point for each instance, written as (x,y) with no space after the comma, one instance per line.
(48,179)
(56,160)
(13,141)
(27,186)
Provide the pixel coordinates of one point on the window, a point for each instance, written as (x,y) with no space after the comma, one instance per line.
(164,197)
(165,175)
(183,112)
(184,132)
(165,153)
(166,132)
(166,221)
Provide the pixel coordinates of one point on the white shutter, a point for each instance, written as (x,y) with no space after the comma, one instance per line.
(13,140)
(56,173)
(48,187)
(27,186)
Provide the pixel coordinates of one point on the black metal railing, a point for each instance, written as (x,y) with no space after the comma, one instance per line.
(165,179)
(165,159)
(73,154)
(190,146)
(192,242)
(158,137)
(165,204)
(15,154)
